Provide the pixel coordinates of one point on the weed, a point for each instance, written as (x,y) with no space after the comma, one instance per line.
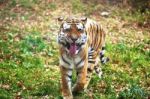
(133,92)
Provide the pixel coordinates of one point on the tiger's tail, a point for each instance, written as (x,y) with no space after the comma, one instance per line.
(103,59)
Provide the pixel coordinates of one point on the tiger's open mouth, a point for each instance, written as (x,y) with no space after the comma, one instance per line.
(73,48)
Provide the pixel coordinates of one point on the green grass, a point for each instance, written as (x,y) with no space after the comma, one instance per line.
(30,82)
(29,54)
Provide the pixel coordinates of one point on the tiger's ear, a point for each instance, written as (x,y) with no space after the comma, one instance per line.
(84,19)
(60,19)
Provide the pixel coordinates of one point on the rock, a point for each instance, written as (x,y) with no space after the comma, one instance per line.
(105,14)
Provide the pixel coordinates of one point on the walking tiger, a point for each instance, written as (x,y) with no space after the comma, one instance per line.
(81,46)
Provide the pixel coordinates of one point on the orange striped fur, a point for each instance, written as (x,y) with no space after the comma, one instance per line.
(80,42)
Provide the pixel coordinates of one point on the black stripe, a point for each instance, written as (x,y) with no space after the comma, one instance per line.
(65,60)
(96,67)
(69,69)
(97,38)
(79,62)
(101,56)
(66,45)
(97,71)
(85,32)
(61,43)
(102,61)
(90,55)
(77,73)
(80,44)
(105,60)
(70,76)
(88,76)
(92,62)
(92,49)
(89,70)
(97,28)
(103,48)
(79,50)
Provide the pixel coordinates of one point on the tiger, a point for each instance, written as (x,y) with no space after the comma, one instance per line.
(81,47)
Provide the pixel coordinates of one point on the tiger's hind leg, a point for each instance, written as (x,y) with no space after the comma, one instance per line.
(89,74)
(90,70)
(92,61)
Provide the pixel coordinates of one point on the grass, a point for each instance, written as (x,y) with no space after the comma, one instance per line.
(29,53)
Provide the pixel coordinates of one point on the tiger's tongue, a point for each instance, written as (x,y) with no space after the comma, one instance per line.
(73,48)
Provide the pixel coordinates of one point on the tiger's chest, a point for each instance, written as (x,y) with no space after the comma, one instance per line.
(75,61)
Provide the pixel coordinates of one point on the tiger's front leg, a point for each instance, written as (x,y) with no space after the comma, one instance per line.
(66,75)
(81,78)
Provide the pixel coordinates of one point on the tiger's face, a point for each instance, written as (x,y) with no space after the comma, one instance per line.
(72,35)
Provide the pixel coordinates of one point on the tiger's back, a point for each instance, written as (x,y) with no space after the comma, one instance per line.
(96,41)
(96,34)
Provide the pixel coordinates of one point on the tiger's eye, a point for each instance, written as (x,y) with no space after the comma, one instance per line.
(66,30)
(66,27)
(80,30)
(80,27)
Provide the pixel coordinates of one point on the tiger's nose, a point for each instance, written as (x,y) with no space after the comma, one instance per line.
(73,39)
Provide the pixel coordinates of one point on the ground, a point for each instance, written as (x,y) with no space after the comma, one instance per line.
(29,54)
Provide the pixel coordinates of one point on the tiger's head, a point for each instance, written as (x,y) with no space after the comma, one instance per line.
(72,35)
